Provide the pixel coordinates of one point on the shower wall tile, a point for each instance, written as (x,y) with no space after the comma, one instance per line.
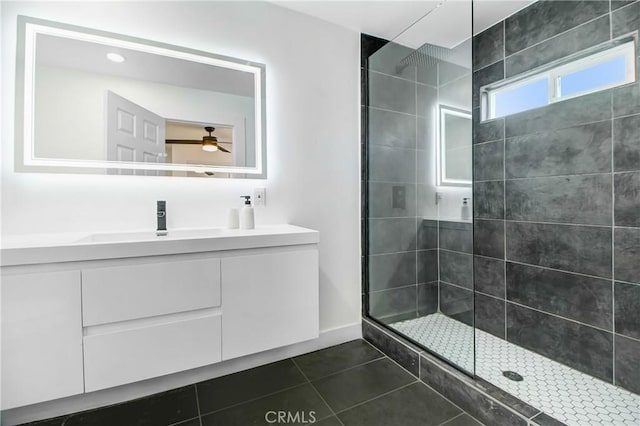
(456,268)
(456,303)
(627,374)
(427,298)
(427,99)
(489,315)
(392,270)
(546,19)
(627,199)
(448,72)
(488,238)
(427,234)
(488,161)
(627,309)
(567,199)
(575,40)
(393,305)
(576,150)
(368,46)
(626,149)
(426,132)
(577,297)
(617,4)
(627,254)
(388,128)
(392,93)
(392,164)
(486,131)
(392,200)
(392,235)
(427,266)
(625,21)
(488,46)
(626,100)
(456,236)
(487,75)
(572,112)
(584,348)
(573,248)
(456,93)
(489,276)
(388,60)
(401,353)
(488,200)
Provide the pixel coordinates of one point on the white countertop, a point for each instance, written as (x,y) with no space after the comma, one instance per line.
(71,247)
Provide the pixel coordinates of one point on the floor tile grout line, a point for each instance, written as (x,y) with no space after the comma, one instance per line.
(317,392)
(452,418)
(379,396)
(449,401)
(195,387)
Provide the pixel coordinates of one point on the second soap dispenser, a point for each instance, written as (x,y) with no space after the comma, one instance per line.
(247,220)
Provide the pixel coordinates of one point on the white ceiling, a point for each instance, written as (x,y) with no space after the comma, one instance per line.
(446,22)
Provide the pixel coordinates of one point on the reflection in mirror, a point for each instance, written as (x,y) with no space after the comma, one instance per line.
(105,103)
(454,147)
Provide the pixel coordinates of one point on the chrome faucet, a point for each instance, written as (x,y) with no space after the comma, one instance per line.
(161,213)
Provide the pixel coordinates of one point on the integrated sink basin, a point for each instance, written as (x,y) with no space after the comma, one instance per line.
(115,237)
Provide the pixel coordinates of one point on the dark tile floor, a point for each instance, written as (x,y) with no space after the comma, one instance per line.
(346,385)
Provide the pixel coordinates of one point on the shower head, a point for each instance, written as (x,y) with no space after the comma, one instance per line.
(429,55)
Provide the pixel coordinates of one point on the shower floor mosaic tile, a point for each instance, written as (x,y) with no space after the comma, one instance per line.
(562,392)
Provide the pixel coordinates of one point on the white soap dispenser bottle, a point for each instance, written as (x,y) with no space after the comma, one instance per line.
(247,220)
(465,212)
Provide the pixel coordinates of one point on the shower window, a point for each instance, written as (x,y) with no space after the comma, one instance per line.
(610,67)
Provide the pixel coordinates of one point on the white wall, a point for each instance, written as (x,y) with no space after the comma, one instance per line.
(312,134)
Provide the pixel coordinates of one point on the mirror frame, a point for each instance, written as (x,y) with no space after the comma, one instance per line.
(443,111)
(25,161)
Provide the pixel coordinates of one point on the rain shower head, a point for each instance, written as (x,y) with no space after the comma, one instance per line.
(429,55)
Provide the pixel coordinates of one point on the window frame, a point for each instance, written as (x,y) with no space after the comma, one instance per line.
(626,47)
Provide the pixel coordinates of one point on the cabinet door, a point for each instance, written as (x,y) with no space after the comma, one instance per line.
(41,337)
(269,300)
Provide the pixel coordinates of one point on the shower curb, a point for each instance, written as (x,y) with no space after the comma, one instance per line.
(486,402)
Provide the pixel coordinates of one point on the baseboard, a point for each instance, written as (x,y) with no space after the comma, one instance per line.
(125,393)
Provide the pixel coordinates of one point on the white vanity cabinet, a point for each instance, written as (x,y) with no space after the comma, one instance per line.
(76,326)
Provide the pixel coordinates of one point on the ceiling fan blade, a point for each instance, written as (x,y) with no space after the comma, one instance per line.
(223,149)
(183,141)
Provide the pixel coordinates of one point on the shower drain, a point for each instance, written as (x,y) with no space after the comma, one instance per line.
(512,375)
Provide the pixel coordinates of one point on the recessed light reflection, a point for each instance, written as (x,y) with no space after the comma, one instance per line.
(115,57)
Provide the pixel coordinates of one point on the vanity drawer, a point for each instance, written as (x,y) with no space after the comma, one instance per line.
(128,356)
(138,291)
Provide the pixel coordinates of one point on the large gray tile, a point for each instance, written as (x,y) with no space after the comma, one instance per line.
(414,405)
(456,236)
(456,93)
(569,113)
(457,303)
(387,164)
(626,20)
(389,60)
(488,238)
(359,384)
(368,46)
(456,268)
(427,100)
(448,71)
(427,266)
(301,399)
(392,235)
(576,150)
(489,276)
(486,131)
(544,419)
(617,4)
(393,305)
(566,199)
(403,354)
(487,75)
(627,309)
(546,19)
(627,373)
(626,100)
(464,420)
(626,254)
(627,199)
(392,270)
(388,128)
(581,298)
(427,234)
(579,346)
(465,392)
(626,149)
(488,161)
(392,93)
(573,248)
(506,398)
(427,298)
(239,387)
(579,38)
(489,315)
(488,46)
(488,200)
(426,136)
(392,200)
(318,364)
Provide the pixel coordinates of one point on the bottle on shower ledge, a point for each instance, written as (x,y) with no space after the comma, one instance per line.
(247,220)
(465,210)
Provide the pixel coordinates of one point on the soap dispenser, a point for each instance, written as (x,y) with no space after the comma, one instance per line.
(246,214)
(465,212)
